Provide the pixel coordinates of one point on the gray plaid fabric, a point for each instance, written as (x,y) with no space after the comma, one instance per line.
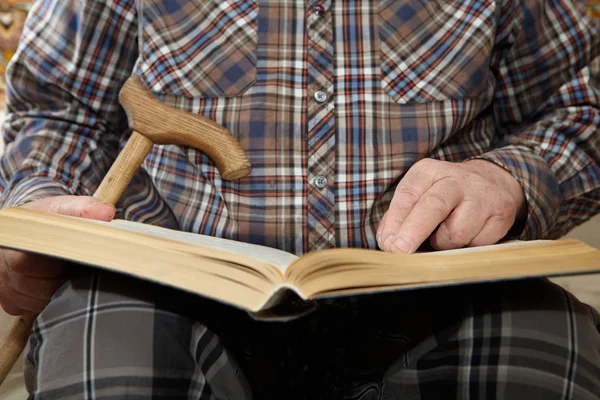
(118,338)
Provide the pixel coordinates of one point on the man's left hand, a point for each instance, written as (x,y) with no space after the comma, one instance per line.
(474,203)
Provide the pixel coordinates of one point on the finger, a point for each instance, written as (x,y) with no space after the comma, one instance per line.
(38,288)
(33,265)
(461,226)
(16,303)
(431,210)
(407,194)
(495,228)
(75,206)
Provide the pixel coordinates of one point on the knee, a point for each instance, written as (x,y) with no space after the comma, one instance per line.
(542,306)
(525,339)
(104,326)
(543,330)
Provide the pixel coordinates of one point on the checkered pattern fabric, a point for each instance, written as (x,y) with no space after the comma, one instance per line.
(353,94)
(333,102)
(116,337)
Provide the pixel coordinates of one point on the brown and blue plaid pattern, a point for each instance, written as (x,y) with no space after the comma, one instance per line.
(198,48)
(514,82)
(436,50)
(511,82)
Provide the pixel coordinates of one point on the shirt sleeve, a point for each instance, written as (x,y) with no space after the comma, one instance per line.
(547,111)
(64,120)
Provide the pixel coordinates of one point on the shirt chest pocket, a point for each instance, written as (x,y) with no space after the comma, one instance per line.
(198,48)
(435,50)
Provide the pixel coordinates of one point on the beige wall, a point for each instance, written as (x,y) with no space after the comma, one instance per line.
(588,232)
(586,287)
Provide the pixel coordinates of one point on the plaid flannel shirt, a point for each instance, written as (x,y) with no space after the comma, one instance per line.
(332,101)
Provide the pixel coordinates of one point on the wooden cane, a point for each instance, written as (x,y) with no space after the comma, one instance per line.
(152,123)
(13,342)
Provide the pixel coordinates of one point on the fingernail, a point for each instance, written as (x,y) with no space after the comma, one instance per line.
(402,245)
(387,242)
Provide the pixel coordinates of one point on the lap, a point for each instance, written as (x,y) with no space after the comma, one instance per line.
(526,339)
(110,336)
(503,340)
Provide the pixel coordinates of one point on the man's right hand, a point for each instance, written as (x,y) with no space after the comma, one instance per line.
(27,281)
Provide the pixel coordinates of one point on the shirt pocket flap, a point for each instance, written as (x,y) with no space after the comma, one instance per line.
(198,48)
(435,50)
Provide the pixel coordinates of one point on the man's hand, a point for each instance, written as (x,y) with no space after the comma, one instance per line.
(474,203)
(27,281)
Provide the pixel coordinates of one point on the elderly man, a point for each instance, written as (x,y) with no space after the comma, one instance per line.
(369,124)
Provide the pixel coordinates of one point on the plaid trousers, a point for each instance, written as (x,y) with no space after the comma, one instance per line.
(105,336)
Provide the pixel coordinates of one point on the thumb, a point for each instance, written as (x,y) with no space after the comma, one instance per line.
(75,206)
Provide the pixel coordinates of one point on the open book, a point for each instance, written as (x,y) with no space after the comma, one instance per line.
(261,279)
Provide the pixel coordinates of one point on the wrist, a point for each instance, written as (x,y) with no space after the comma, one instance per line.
(504,179)
(32,189)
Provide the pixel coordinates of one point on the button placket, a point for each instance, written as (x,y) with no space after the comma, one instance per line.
(321,126)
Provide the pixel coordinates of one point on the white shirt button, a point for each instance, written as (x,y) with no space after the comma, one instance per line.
(320,96)
(320,181)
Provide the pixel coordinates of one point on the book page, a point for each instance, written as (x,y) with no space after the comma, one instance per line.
(277,258)
(487,247)
(347,271)
(235,279)
(239,274)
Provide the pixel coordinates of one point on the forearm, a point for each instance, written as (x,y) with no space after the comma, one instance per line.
(64,122)
(556,159)
(546,110)
(45,159)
